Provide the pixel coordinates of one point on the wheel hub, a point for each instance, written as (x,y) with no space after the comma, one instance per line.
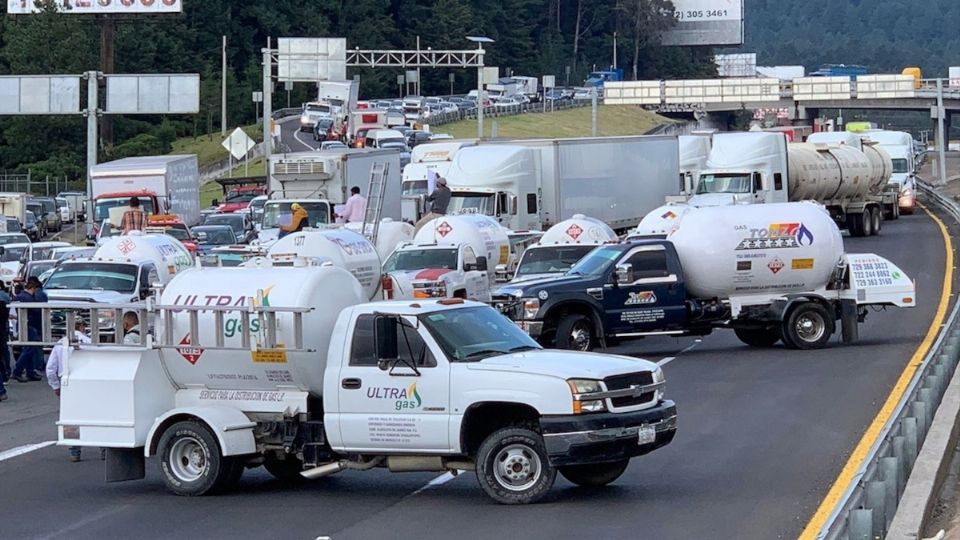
(517,467)
(580,336)
(188,459)
(810,328)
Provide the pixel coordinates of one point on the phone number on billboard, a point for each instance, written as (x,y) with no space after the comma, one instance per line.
(700,14)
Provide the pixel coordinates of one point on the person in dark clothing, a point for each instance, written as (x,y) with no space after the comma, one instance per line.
(30,362)
(440,198)
(5,366)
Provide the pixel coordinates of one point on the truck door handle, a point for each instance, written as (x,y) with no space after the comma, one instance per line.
(351,384)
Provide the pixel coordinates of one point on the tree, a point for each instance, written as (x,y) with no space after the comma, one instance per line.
(649,18)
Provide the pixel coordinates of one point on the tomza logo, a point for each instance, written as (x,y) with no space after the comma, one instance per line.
(403,398)
(642,297)
(778,235)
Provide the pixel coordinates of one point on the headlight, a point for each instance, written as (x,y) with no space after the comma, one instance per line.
(304,120)
(906,192)
(430,289)
(658,378)
(531,306)
(580,389)
(7,272)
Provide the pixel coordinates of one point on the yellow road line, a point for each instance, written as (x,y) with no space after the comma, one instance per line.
(859,455)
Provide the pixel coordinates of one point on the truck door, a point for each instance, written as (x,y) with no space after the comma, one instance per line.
(399,403)
(478,283)
(646,295)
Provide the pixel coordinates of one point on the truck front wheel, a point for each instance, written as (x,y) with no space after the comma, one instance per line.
(808,326)
(191,463)
(758,337)
(513,466)
(595,474)
(575,332)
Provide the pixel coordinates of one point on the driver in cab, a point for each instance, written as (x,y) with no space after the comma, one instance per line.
(299,220)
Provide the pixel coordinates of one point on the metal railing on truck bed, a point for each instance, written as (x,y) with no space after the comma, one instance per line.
(263,341)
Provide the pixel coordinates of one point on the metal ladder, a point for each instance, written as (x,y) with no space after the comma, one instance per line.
(375,192)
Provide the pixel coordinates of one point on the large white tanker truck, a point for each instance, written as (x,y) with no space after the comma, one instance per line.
(759,167)
(290,369)
(770,272)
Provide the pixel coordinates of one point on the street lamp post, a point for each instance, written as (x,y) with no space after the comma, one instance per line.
(480,40)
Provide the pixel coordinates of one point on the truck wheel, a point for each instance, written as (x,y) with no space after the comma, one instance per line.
(513,466)
(808,326)
(190,460)
(286,470)
(896,210)
(876,219)
(855,224)
(866,223)
(761,338)
(595,474)
(575,333)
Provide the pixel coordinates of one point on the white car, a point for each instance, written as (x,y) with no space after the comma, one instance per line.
(584,93)
(448,107)
(67,214)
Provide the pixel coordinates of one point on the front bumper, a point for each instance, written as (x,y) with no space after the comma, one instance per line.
(606,437)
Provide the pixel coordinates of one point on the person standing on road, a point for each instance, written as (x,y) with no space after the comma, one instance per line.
(356,208)
(134,219)
(58,356)
(5,366)
(30,361)
(440,198)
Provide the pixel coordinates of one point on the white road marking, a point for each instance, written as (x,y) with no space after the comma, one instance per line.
(438,481)
(296,135)
(688,348)
(25,449)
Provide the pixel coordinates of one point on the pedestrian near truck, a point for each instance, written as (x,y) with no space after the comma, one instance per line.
(133,219)
(58,357)
(30,361)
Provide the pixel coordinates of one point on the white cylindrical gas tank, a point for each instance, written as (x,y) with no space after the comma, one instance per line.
(881,166)
(486,236)
(326,289)
(165,251)
(579,229)
(757,249)
(389,236)
(341,247)
(661,221)
(820,172)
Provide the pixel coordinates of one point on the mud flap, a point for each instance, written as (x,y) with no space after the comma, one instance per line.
(124,464)
(849,323)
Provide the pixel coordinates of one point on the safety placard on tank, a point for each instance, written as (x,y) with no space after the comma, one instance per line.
(273,356)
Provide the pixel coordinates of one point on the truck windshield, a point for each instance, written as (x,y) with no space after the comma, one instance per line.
(102,210)
(900,166)
(278,213)
(92,276)
(551,259)
(723,183)
(241,196)
(471,334)
(597,262)
(421,259)
(471,203)
(412,188)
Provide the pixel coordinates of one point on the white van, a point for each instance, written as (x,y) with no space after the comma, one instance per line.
(378,137)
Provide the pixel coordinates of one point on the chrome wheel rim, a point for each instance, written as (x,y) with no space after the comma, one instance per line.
(580,337)
(517,467)
(188,459)
(810,327)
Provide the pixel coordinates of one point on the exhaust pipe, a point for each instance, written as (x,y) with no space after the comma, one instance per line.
(323,470)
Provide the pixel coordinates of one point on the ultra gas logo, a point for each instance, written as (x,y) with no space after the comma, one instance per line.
(776,236)
(403,398)
(232,325)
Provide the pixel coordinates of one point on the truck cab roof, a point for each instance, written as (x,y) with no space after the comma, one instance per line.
(416,307)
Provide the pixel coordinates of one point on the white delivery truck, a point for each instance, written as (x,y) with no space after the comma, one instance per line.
(528,86)
(884,190)
(759,167)
(288,368)
(450,257)
(899,145)
(330,174)
(534,184)
(341,96)
(769,272)
(562,246)
(124,270)
(163,185)
(14,205)
(77,202)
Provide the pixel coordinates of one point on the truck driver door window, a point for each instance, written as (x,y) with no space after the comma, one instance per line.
(385,409)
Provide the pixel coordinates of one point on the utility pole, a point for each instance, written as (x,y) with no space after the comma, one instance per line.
(92,101)
(223,88)
(941,136)
(593,113)
(614,50)
(267,101)
(418,85)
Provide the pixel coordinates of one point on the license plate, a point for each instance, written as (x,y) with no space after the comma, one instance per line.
(646,435)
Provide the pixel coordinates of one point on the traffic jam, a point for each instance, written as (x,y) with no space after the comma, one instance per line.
(446,307)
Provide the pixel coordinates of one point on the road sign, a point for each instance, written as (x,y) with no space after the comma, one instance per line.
(30,94)
(549,81)
(412,76)
(258,97)
(153,94)
(311,59)
(238,143)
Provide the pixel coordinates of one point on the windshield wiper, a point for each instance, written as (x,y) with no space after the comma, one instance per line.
(486,352)
(523,348)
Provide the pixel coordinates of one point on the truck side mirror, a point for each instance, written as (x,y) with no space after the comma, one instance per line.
(481,264)
(624,274)
(385,336)
(757,183)
(513,205)
(502,203)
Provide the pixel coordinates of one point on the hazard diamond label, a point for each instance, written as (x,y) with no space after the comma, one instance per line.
(190,354)
(574,231)
(775,265)
(126,246)
(444,229)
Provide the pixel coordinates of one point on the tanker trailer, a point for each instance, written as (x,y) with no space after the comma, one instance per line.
(340,247)
(770,272)
(881,167)
(758,167)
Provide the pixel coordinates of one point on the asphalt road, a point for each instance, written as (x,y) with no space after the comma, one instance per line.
(294,140)
(762,435)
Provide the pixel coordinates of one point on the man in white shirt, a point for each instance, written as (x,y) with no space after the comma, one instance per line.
(356,208)
(58,357)
(131,328)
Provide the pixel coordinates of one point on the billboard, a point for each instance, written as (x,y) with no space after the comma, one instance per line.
(24,7)
(705,22)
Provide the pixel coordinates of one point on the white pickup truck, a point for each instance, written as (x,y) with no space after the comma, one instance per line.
(230,380)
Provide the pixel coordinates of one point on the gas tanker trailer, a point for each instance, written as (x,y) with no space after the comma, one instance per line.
(771,272)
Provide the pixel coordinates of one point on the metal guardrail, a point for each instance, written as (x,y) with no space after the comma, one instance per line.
(867,508)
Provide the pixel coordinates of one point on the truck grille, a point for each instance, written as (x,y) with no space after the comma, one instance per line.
(508,305)
(620,382)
